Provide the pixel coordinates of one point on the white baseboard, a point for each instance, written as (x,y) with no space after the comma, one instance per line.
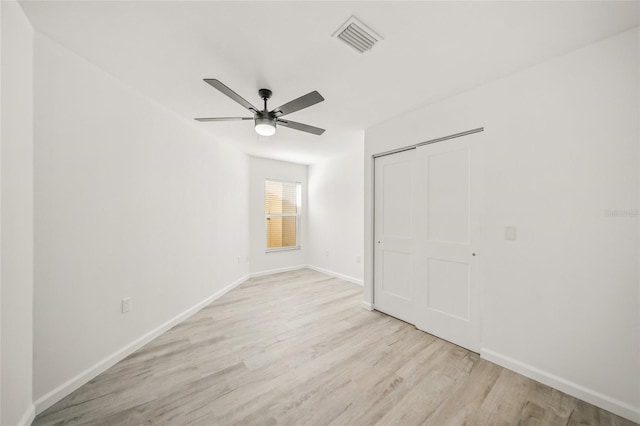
(28,416)
(336,274)
(74,383)
(593,397)
(368,306)
(315,268)
(276,271)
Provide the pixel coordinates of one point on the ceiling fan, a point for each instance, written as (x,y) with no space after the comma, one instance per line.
(265,120)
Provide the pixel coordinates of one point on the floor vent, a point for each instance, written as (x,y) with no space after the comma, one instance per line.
(357,35)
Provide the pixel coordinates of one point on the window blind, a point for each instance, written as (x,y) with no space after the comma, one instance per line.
(281,207)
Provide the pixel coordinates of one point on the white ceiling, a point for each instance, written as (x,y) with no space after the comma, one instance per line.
(431,50)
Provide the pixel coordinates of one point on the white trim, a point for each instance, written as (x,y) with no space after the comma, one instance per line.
(272,250)
(276,271)
(336,274)
(589,395)
(366,305)
(74,383)
(28,416)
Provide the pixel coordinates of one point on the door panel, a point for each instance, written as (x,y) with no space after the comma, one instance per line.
(447,296)
(396,274)
(448,287)
(394,235)
(396,192)
(448,196)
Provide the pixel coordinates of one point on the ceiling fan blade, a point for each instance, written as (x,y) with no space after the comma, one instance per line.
(299,126)
(302,102)
(224,119)
(230,93)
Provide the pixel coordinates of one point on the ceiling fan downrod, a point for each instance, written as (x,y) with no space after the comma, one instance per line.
(265,122)
(265,94)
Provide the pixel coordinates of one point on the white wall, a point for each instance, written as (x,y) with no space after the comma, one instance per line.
(130,201)
(561,303)
(336,203)
(1,213)
(17,216)
(262,262)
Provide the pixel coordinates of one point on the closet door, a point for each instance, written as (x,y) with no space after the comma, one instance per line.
(394,234)
(448,207)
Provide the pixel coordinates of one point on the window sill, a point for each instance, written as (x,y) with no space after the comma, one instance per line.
(269,250)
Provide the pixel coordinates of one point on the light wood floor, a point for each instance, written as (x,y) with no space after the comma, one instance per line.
(297,348)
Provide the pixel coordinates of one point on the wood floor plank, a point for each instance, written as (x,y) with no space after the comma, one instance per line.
(296,348)
(535,415)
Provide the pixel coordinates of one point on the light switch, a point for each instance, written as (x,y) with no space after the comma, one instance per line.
(126,305)
(510,233)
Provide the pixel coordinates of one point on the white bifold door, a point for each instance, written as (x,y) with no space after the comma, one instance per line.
(427,203)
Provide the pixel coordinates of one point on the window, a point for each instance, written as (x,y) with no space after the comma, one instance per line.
(282,214)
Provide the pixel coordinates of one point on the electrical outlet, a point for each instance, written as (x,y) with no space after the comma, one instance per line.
(358,259)
(126,305)
(326,253)
(238,260)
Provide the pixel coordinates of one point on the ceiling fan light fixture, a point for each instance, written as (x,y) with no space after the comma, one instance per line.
(265,127)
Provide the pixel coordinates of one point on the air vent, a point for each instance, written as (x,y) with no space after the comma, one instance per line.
(357,35)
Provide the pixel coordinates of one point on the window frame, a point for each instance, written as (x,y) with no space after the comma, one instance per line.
(297,215)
